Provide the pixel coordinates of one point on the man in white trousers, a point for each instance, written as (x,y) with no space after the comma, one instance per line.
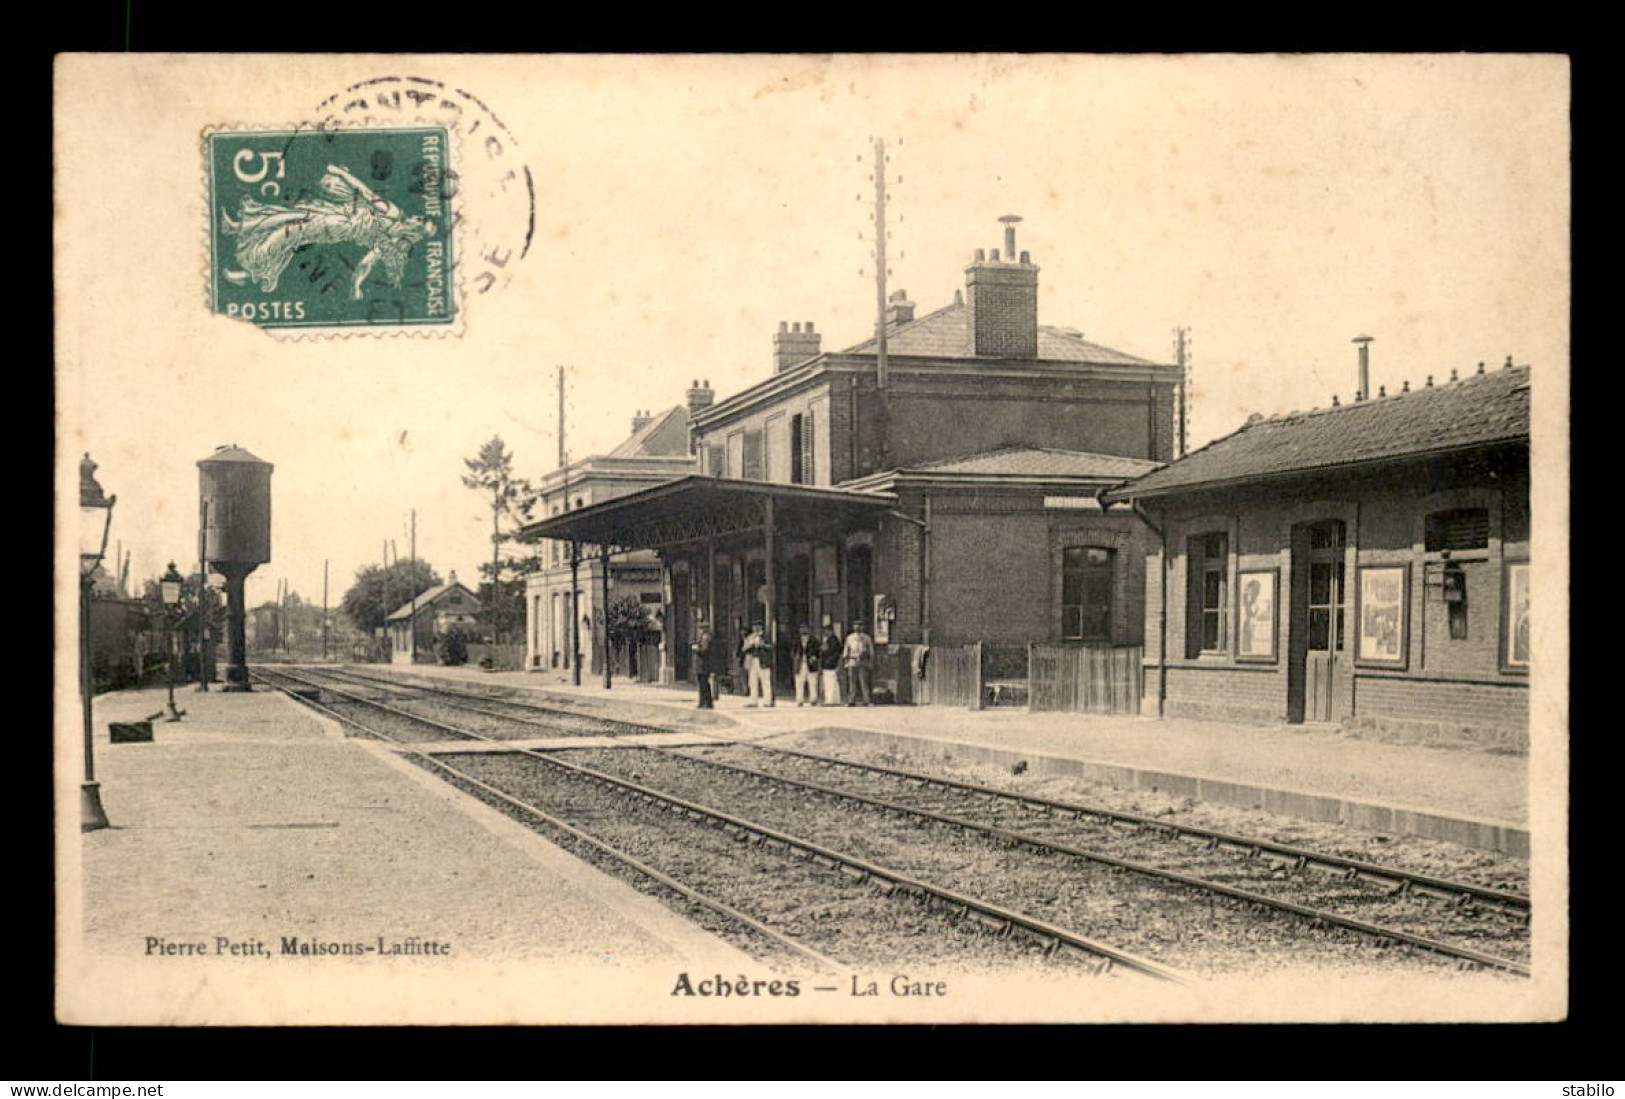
(758,667)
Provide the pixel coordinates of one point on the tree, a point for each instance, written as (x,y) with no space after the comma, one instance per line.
(378,592)
(629,626)
(512,499)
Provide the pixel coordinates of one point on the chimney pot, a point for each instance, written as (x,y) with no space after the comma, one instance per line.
(1382,391)
(1481,366)
(994,258)
(784,326)
(1026,257)
(1010,221)
(981,256)
(1507,364)
(1405,387)
(1453,375)
(1334,400)
(1364,390)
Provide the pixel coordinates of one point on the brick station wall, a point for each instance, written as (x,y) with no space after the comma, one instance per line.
(1451,691)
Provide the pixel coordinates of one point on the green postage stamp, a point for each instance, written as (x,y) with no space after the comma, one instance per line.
(348,230)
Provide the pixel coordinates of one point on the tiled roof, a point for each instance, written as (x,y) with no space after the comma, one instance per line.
(1042,462)
(665,436)
(427,597)
(945,334)
(1481,409)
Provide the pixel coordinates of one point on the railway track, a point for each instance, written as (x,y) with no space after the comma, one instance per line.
(1271,854)
(1342,896)
(956,912)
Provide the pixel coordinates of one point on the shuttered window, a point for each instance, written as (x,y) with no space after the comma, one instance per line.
(1458,529)
(752,457)
(801,449)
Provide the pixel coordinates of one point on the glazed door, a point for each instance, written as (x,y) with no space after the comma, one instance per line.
(1317,630)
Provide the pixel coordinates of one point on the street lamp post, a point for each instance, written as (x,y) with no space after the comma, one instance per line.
(95,520)
(169,588)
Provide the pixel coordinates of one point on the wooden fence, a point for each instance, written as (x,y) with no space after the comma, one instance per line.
(1076,678)
(953,676)
(504,658)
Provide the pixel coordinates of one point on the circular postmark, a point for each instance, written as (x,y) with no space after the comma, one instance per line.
(496,210)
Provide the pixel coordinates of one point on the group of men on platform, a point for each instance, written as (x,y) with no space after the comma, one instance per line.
(828,671)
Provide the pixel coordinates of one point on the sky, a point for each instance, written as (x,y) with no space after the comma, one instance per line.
(1276,207)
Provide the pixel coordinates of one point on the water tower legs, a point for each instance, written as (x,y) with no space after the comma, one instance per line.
(236,629)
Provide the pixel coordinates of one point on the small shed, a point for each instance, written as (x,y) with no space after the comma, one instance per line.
(419,623)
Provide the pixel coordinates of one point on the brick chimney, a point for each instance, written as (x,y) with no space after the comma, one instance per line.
(700,397)
(899,310)
(640,420)
(793,344)
(1002,298)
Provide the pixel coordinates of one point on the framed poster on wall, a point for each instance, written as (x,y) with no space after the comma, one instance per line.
(1515,628)
(1382,619)
(1255,618)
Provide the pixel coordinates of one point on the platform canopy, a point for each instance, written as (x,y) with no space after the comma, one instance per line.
(698,508)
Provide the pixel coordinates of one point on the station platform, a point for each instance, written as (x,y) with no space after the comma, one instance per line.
(1479,799)
(255,821)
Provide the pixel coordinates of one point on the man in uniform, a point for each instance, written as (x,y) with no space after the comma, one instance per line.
(758,666)
(804,655)
(829,663)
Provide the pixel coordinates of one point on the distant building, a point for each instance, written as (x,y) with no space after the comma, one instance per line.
(955,503)
(656,451)
(1365,564)
(429,617)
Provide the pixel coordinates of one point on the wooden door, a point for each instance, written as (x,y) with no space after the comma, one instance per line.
(1316,643)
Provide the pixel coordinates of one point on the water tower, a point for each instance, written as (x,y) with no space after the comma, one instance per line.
(236,491)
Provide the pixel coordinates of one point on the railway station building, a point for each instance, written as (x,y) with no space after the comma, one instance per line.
(415,626)
(952,499)
(1366,565)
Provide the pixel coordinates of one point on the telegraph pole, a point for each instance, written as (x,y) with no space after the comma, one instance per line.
(324,608)
(882,378)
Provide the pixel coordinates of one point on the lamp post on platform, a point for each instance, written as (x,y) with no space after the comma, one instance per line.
(95,520)
(169,589)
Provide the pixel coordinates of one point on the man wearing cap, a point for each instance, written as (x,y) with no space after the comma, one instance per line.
(858,658)
(705,661)
(804,655)
(829,663)
(758,667)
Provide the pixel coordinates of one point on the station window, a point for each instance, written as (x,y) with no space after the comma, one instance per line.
(1086,593)
(1208,596)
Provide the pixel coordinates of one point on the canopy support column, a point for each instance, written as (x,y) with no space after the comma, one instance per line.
(711,587)
(771,553)
(609,646)
(572,606)
(668,625)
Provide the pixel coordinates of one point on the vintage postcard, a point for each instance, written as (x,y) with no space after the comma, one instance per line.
(774,539)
